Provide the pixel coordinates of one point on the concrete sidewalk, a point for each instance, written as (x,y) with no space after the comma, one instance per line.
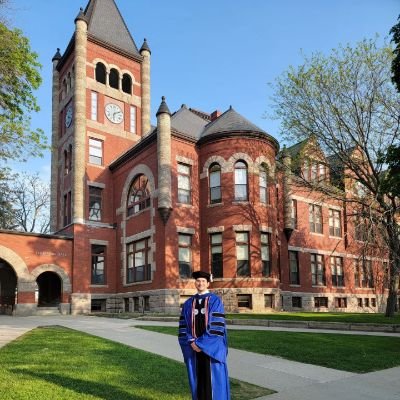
(292,380)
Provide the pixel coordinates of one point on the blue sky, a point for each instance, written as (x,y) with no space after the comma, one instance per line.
(209,54)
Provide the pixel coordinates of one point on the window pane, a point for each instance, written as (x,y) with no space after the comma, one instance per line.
(242,252)
(240,176)
(215,179)
(184,240)
(242,236)
(216,238)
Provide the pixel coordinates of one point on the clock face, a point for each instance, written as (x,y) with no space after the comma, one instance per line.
(114,113)
(68,116)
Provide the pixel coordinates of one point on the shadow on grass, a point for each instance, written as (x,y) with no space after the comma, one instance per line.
(100,390)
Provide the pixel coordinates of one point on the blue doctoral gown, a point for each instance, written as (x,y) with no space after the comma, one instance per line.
(213,342)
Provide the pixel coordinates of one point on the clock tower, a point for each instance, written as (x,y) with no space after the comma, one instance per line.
(101,107)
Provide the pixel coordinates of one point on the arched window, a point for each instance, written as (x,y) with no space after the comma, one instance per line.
(127,84)
(66,163)
(215,183)
(241,181)
(263,183)
(64,89)
(101,73)
(113,79)
(70,157)
(69,82)
(139,195)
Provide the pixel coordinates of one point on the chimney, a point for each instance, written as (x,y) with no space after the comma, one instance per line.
(215,114)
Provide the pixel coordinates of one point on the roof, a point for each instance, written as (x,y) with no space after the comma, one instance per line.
(230,121)
(105,23)
(188,122)
(296,149)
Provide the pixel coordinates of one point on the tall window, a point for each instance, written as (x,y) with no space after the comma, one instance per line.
(67,209)
(363,274)
(360,229)
(294,268)
(126,84)
(66,163)
(113,78)
(138,264)
(215,183)
(263,183)
(337,271)
(95,151)
(100,73)
(93,106)
(184,184)
(368,276)
(293,214)
(321,172)
(185,255)
(335,225)
(98,264)
(317,270)
(241,181)
(133,119)
(242,254)
(70,158)
(95,203)
(315,218)
(138,195)
(314,171)
(216,255)
(266,254)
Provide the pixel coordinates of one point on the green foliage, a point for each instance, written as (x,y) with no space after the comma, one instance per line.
(19,77)
(395,32)
(347,102)
(354,353)
(391,180)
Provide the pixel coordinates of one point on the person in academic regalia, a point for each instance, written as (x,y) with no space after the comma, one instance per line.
(203,340)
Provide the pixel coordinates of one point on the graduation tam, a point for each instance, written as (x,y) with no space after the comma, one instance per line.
(201,274)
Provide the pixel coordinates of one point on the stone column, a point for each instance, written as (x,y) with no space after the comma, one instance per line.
(287,194)
(55,128)
(164,160)
(79,146)
(145,52)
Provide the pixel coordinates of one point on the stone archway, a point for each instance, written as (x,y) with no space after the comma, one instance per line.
(49,286)
(25,282)
(8,288)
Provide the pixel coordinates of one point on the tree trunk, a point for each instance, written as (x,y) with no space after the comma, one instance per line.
(391,305)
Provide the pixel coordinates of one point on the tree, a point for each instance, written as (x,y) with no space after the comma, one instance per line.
(348,105)
(30,198)
(19,77)
(395,32)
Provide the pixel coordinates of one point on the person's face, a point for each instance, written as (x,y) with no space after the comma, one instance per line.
(201,284)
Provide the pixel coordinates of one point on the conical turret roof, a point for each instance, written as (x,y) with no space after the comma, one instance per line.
(230,121)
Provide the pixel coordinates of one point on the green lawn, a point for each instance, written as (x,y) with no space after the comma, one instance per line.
(60,363)
(354,353)
(321,316)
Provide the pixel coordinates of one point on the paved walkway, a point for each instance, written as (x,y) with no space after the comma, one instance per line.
(292,380)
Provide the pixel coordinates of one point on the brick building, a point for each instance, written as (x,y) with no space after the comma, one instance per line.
(136,208)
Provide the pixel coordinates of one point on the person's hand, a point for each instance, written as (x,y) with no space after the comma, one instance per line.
(195,347)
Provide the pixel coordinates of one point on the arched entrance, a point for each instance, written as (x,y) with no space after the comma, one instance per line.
(8,287)
(49,286)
